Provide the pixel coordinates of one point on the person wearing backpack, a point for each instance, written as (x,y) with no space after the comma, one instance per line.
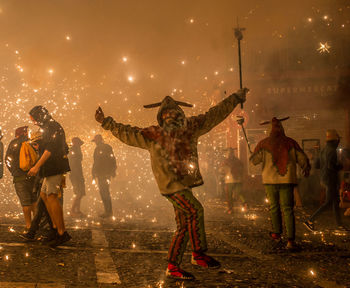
(23,183)
(103,169)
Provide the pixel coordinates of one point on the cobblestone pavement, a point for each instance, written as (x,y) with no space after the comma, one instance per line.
(132,253)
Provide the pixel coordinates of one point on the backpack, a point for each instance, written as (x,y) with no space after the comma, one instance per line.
(27,156)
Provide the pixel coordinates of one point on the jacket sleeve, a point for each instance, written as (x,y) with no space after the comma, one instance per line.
(113,160)
(94,170)
(332,162)
(303,161)
(9,157)
(203,123)
(257,157)
(127,134)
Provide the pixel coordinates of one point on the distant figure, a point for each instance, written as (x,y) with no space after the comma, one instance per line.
(330,168)
(232,169)
(76,176)
(174,158)
(279,156)
(53,165)
(103,169)
(1,156)
(23,183)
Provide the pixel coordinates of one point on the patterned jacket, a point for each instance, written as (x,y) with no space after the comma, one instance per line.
(174,157)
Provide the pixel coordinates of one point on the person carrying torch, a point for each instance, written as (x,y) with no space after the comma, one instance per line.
(174,159)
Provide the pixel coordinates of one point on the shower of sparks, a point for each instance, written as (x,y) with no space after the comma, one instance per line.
(324,48)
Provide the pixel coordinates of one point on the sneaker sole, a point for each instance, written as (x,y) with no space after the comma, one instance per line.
(27,239)
(213,267)
(179,278)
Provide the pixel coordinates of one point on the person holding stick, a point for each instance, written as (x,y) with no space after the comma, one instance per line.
(173,149)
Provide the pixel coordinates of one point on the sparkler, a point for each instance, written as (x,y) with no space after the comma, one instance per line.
(324,48)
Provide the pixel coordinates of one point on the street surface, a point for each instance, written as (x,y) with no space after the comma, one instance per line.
(131,252)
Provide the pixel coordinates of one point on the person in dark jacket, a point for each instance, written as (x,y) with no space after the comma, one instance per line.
(103,169)
(174,158)
(23,183)
(76,175)
(329,179)
(53,165)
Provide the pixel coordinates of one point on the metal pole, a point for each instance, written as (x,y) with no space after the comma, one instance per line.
(239,37)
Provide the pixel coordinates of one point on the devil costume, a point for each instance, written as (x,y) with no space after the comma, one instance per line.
(279,155)
(174,161)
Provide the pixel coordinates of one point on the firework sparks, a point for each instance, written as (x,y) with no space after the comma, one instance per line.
(324,48)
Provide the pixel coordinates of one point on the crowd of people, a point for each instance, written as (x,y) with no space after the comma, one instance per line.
(39,164)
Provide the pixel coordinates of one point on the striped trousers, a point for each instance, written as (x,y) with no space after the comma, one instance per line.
(189,217)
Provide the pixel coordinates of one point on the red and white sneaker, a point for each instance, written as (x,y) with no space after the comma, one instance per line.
(204,261)
(177,273)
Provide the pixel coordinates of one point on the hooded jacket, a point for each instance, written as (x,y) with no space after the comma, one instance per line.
(279,156)
(174,156)
(54,141)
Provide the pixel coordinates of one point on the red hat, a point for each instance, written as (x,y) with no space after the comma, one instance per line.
(20,131)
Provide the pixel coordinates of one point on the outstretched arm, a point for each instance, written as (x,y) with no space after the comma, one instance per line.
(127,134)
(203,123)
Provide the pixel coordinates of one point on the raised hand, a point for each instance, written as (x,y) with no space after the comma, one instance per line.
(241,94)
(99,115)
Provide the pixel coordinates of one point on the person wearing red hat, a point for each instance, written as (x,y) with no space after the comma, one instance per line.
(76,176)
(329,169)
(24,184)
(279,156)
(174,159)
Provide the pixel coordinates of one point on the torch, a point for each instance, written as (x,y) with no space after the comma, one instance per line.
(239,37)
(240,122)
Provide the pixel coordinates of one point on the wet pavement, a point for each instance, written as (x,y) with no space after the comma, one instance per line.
(132,252)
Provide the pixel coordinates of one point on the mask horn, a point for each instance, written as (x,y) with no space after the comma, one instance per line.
(264,122)
(183,104)
(152,105)
(283,119)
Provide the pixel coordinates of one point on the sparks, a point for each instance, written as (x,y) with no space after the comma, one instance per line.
(324,48)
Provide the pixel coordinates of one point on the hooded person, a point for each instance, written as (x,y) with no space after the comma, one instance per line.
(53,165)
(329,168)
(174,159)
(232,170)
(103,169)
(279,156)
(76,176)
